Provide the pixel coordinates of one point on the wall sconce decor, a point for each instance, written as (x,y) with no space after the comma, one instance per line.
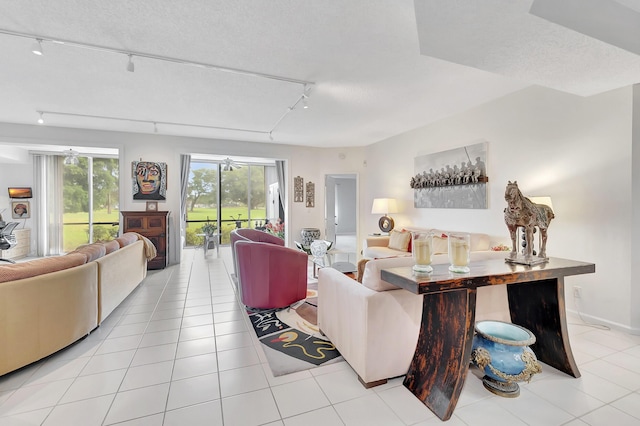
(298,189)
(311,194)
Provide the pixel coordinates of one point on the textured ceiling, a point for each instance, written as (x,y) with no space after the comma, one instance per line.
(378,68)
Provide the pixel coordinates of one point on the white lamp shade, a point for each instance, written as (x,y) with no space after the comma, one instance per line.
(542,200)
(384,206)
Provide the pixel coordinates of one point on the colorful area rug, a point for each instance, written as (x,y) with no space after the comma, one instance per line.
(291,338)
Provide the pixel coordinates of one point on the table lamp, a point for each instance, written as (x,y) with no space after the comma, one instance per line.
(384,206)
(542,200)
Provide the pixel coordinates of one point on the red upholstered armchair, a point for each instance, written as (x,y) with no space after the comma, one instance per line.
(248,234)
(269,274)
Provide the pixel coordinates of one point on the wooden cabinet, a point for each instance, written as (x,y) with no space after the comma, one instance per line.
(154,226)
(20,250)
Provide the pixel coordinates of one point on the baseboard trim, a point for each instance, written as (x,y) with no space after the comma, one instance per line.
(594,320)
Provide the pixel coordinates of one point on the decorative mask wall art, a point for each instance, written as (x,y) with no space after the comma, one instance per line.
(149,180)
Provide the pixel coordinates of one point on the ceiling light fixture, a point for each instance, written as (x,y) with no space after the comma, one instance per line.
(229,165)
(303,98)
(41,118)
(71,157)
(155,127)
(131,67)
(36,48)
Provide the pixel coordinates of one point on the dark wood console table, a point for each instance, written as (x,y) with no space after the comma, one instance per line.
(536,301)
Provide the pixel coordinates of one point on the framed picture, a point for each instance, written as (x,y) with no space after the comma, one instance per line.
(311,194)
(20,210)
(456,178)
(149,180)
(298,189)
(152,206)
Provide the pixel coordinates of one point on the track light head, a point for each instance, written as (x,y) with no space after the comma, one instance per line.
(130,65)
(305,105)
(41,118)
(36,47)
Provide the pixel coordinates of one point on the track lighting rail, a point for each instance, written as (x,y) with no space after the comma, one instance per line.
(130,54)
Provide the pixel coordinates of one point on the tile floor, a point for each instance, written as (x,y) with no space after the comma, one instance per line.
(179,351)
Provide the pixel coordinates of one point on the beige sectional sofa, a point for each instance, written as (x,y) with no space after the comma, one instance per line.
(375,324)
(47,304)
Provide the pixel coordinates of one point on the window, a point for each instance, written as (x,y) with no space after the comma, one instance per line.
(230,199)
(90,201)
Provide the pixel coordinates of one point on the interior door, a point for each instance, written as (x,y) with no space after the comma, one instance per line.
(330,208)
(341,208)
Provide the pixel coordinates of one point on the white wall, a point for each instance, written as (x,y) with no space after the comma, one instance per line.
(310,163)
(576,150)
(635,221)
(17,173)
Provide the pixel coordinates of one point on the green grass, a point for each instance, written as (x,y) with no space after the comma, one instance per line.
(226,227)
(75,235)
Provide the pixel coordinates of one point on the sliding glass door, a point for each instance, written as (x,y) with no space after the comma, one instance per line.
(229,198)
(90,200)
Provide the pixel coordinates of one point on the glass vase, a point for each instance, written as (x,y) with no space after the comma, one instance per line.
(422,251)
(459,252)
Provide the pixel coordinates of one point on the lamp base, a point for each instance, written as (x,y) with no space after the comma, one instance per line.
(386,223)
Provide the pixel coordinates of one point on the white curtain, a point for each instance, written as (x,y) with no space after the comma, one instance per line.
(281,185)
(185,165)
(48,204)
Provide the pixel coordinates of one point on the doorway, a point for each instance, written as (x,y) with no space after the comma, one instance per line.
(341,211)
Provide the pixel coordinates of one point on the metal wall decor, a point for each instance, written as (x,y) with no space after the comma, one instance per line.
(149,180)
(298,189)
(311,194)
(456,178)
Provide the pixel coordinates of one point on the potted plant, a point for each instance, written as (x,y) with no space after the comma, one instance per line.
(209,228)
(276,228)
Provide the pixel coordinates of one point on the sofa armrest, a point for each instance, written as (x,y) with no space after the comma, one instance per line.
(376,332)
(119,273)
(376,241)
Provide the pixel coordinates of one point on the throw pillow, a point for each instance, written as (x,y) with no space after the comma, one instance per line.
(440,245)
(111,246)
(399,240)
(127,238)
(409,249)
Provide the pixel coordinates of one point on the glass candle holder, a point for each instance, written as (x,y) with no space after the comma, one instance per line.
(459,252)
(422,250)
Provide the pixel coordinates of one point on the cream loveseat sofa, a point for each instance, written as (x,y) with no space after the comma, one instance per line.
(377,246)
(47,304)
(375,324)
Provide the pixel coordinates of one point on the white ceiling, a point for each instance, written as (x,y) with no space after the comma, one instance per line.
(378,68)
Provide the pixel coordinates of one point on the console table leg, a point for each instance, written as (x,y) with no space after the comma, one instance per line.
(540,307)
(441,361)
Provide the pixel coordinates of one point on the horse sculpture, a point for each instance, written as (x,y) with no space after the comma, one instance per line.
(523,212)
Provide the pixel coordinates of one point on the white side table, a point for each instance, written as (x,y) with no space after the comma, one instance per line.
(210,239)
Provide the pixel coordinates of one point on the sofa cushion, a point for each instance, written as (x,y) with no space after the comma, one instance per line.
(91,251)
(19,271)
(371,276)
(127,238)
(399,240)
(440,244)
(111,246)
